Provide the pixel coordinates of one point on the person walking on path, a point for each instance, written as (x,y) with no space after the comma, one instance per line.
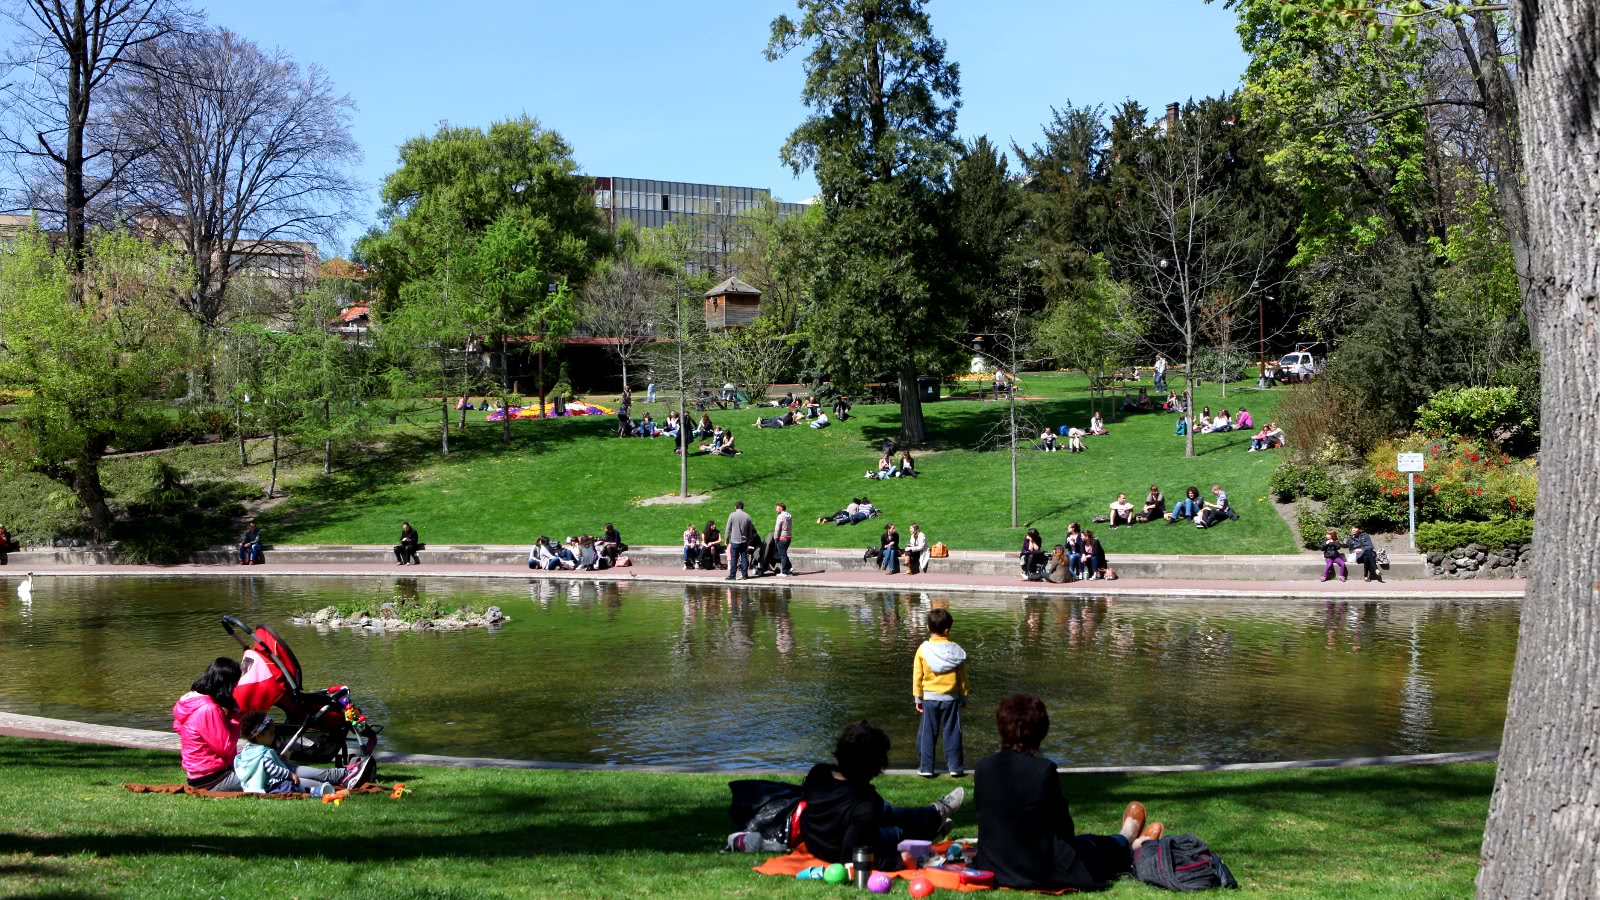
(741,534)
(939,688)
(783,534)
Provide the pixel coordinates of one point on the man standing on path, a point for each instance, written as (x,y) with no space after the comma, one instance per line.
(783,533)
(740,532)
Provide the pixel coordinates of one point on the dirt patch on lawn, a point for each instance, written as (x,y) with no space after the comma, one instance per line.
(675,500)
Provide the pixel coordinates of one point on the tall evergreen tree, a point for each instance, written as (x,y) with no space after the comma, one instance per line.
(880,138)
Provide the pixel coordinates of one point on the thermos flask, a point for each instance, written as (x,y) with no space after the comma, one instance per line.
(863,861)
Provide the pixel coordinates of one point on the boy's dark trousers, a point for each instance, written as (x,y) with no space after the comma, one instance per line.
(941,720)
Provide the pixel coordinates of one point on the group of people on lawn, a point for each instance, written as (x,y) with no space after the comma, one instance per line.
(1027,835)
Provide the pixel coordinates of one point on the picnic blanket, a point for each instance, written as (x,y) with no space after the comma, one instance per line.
(201,792)
(799,859)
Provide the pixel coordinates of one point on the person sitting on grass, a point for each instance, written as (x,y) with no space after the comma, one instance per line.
(889,550)
(1216,509)
(646,427)
(1075,440)
(1269,437)
(1097,425)
(821,421)
(673,424)
(726,448)
(261,770)
(841,408)
(844,811)
(1333,553)
(705,429)
(907,467)
(1029,840)
(1121,511)
(1204,425)
(208,729)
(1032,556)
(717,438)
(885,468)
(1172,404)
(812,407)
(1155,506)
(1243,419)
(843,516)
(1187,508)
(1047,441)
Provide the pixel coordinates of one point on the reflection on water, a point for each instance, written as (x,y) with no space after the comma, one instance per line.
(641,673)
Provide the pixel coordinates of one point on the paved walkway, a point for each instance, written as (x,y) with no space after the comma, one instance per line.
(855,580)
(40,728)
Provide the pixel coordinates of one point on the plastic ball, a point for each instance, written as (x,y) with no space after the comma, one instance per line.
(835,874)
(955,852)
(879,883)
(921,887)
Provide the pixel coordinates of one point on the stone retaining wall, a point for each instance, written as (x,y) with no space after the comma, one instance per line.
(1478,561)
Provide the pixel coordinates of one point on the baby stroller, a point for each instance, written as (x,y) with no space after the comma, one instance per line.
(320,727)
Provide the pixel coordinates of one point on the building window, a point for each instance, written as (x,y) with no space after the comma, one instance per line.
(664,203)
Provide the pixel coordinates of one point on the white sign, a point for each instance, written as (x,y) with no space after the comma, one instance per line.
(1408,462)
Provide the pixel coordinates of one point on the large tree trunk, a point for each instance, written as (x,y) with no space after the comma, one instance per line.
(86,485)
(1543,834)
(272,485)
(913,430)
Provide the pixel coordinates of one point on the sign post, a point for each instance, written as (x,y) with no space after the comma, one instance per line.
(1411,464)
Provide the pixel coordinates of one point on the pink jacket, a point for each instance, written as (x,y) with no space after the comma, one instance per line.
(208,735)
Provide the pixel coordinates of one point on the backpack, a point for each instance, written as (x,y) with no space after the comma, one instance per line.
(768,808)
(1181,863)
(1183,427)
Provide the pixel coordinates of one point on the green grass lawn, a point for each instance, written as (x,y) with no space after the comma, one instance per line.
(571,476)
(68,829)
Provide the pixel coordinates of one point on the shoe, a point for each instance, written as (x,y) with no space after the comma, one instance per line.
(1341,578)
(951,802)
(1324,579)
(958,774)
(1134,811)
(744,842)
(359,772)
(925,773)
(1153,831)
(944,828)
(729,578)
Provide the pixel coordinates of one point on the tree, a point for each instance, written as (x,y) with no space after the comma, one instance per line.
(619,305)
(91,366)
(423,342)
(245,149)
(880,138)
(682,360)
(74,53)
(1090,322)
(1187,241)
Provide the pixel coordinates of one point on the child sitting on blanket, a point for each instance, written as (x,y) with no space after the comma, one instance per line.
(262,771)
(844,811)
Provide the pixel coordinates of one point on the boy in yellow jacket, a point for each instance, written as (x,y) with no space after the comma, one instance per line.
(939,688)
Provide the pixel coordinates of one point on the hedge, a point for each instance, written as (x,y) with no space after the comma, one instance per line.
(1494,534)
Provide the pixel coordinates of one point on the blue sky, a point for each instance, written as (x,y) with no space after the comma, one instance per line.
(679,90)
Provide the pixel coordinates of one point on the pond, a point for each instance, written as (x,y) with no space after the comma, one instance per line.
(651,673)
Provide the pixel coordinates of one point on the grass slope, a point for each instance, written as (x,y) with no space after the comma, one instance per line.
(571,476)
(70,830)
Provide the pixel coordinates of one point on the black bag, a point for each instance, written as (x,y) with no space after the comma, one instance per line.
(765,807)
(1181,863)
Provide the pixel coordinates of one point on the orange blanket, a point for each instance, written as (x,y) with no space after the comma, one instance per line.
(201,792)
(799,859)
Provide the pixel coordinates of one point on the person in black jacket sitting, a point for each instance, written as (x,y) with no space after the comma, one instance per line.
(1026,835)
(844,811)
(406,550)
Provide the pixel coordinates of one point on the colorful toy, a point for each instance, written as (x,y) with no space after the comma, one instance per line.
(814,873)
(835,874)
(400,790)
(923,849)
(954,853)
(921,887)
(879,883)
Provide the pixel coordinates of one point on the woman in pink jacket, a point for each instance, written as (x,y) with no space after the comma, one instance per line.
(207,722)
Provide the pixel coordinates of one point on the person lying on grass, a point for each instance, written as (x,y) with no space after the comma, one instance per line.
(844,811)
(1026,835)
(842,516)
(783,421)
(261,770)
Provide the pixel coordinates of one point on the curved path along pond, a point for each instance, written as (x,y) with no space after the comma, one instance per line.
(650,673)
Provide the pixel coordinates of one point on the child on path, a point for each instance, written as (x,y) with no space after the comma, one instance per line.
(262,771)
(939,687)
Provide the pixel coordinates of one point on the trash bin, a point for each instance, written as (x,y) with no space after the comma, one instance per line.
(927,388)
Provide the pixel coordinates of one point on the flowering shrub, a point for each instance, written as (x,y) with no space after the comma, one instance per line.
(1463,480)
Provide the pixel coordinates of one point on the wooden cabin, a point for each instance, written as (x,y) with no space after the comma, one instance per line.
(732,304)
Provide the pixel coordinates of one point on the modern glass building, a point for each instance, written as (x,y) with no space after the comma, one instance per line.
(714,208)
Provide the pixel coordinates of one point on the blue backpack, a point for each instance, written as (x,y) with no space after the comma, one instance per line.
(1183,426)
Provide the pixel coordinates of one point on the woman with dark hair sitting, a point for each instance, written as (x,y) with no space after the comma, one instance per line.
(1026,834)
(844,811)
(207,722)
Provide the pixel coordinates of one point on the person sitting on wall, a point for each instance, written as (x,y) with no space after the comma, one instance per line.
(1366,554)
(693,548)
(406,551)
(711,537)
(1187,508)
(250,546)
(6,544)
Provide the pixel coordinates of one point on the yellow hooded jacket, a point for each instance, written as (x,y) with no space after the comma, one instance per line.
(940,672)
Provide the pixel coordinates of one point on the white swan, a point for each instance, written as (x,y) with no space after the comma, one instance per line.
(25,589)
